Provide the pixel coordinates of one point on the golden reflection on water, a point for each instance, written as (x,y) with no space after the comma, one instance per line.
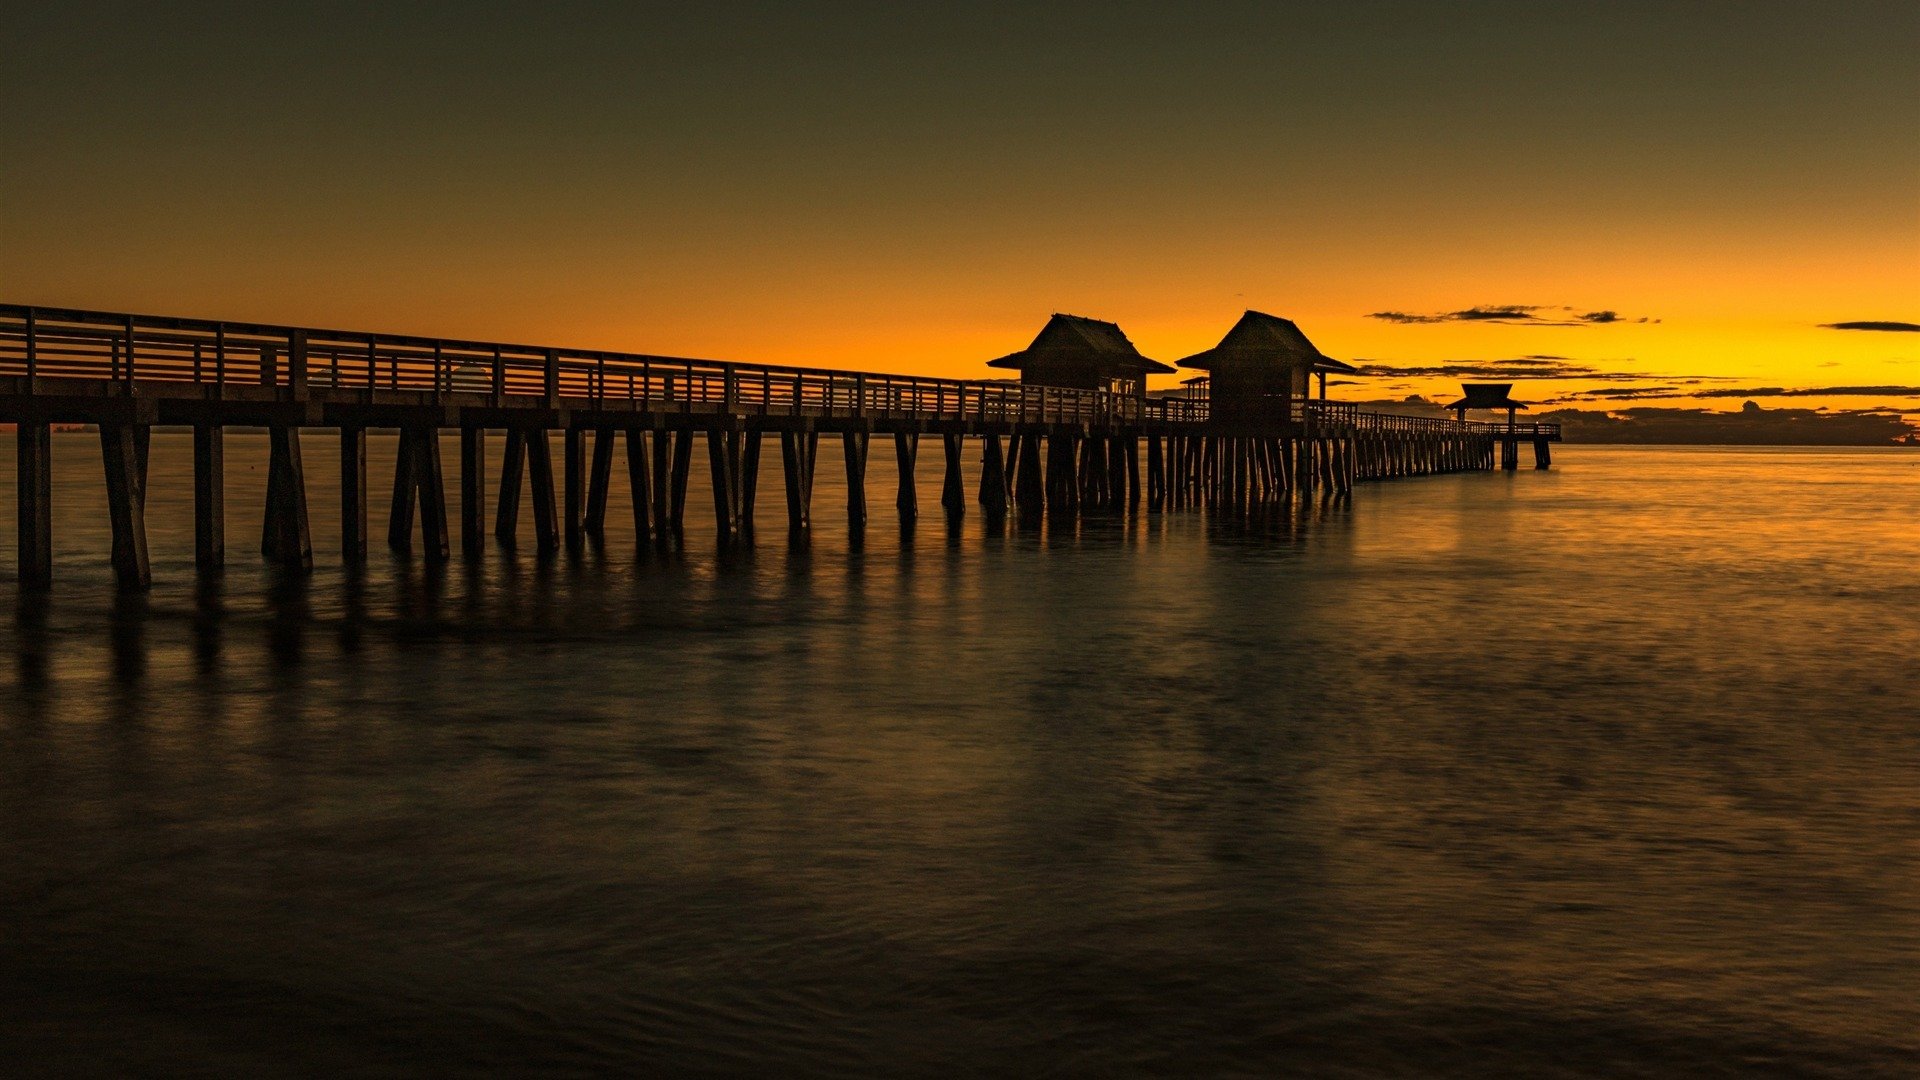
(1607,768)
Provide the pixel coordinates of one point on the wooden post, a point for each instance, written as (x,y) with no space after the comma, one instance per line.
(473,491)
(599,479)
(749,478)
(797,451)
(432,486)
(722,455)
(546,525)
(353,495)
(906,452)
(126,505)
(1156,473)
(682,465)
(854,444)
(507,517)
(662,483)
(573,443)
(34,462)
(285,538)
(637,475)
(405,492)
(993,478)
(1030,494)
(953,485)
(1542,457)
(209,496)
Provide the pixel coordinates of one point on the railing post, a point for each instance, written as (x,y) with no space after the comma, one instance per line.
(297,362)
(600,381)
(859,395)
(33,353)
(499,378)
(798,393)
(553,378)
(729,387)
(126,369)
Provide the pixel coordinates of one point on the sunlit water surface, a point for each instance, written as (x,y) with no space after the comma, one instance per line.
(1610,769)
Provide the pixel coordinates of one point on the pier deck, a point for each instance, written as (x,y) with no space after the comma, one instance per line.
(1065,450)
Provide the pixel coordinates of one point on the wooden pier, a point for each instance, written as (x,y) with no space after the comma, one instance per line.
(1042,449)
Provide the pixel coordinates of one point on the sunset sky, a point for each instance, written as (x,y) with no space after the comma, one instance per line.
(880,186)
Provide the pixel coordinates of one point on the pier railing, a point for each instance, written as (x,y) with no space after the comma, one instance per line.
(117,351)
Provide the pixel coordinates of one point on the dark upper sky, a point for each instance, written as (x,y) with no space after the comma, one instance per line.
(854,183)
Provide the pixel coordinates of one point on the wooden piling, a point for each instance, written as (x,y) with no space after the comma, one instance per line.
(798,450)
(513,463)
(353,495)
(284,536)
(33,458)
(573,463)
(906,452)
(209,496)
(546,512)
(854,443)
(723,450)
(682,467)
(599,479)
(749,469)
(993,479)
(473,491)
(126,505)
(953,488)
(637,482)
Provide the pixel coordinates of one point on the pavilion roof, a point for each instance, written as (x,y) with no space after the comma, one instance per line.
(1487,396)
(1260,338)
(1078,337)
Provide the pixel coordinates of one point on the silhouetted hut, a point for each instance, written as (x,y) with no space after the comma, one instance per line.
(1486,396)
(1083,354)
(1260,369)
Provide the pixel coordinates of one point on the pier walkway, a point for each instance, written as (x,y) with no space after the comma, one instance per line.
(1042,449)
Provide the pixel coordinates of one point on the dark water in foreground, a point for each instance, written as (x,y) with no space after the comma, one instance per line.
(1610,770)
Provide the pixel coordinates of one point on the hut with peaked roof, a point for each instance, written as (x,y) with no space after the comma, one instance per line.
(1486,396)
(1083,354)
(1260,369)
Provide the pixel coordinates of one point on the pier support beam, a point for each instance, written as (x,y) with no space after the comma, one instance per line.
(749,479)
(284,538)
(953,485)
(798,450)
(34,460)
(599,479)
(506,521)
(417,480)
(993,478)
(906,452)
(1030,494)
(123,452)
(723,454)
(682,467)
(527,450)
(854,444)
(473,492)
(1542,456)
(353,495)
(574,463)
(637,482)
(209,496)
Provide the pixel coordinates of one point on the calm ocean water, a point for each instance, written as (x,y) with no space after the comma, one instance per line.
(1610,770)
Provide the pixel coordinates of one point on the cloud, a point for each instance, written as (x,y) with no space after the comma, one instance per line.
(1642,393)
(1874,324)
(1752,425)
(1511,315)
(1523,367)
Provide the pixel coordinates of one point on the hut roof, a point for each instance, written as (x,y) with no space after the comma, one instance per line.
(1073,336)
(1487,396)
(1265,339)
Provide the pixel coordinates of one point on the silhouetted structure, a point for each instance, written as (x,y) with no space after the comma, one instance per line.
(1073,448)
(1261,373)
(1083,354)
(1495,397)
